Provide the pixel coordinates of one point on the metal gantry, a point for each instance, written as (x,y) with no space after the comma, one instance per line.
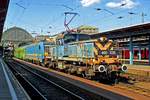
(66,23)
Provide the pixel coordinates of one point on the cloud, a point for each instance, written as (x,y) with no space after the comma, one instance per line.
(87,3)
(127,4)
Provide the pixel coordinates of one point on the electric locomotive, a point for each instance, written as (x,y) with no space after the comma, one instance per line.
(77,53)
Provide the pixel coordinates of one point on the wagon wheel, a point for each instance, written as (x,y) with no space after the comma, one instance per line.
(85,74)
(68,71)
(54,66)
(38,63)
(50,65)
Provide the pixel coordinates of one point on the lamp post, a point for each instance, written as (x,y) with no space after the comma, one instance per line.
(35,34)
(50,27)
(143,16)
(99,9)
(131,13)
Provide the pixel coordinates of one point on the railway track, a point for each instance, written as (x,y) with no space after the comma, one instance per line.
(42,86)
(88,96)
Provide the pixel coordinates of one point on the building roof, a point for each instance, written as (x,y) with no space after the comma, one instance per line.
(16,34)
(86,27)
(134,30)
(130,28)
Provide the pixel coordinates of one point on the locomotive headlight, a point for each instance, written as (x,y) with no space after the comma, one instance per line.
(124,68)
(101,68)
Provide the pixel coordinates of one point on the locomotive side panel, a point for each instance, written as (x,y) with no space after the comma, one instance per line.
(20,53)
(79,51)
(87,50)
(40,52)
(60,52)
(72,51)
(54,53)
(35,52)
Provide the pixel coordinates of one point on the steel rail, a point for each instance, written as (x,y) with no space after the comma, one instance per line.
(20,77)
(58,86)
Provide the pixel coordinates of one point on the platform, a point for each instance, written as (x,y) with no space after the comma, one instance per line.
(10,89)
(139,70)
(135,61)
(139,67)
(92,86)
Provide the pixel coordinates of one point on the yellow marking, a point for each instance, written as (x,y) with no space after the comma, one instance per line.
(100,46)
(46,54)
(105,47)
(108,44)
(107,56)
(95,51)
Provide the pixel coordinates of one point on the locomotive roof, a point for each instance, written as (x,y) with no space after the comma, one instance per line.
(45,43)
(76,37)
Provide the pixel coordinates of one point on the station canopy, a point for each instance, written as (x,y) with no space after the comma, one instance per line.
(3,12)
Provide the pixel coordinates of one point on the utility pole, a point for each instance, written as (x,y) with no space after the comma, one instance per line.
(143,16)
(131,13)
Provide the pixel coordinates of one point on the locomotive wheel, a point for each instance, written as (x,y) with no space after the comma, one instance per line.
(54,65)
(50,65)
(68,72)
(43,65)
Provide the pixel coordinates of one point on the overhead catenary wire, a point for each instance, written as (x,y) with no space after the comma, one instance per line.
(70,8)
(18,16)
(20,5)
(22,13)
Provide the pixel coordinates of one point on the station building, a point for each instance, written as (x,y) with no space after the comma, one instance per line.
(16,36)
(86,29)
(133,42)
(42,37)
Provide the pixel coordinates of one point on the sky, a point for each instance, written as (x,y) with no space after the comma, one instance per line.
(46,17)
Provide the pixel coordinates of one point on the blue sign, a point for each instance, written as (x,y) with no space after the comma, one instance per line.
(111,52)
